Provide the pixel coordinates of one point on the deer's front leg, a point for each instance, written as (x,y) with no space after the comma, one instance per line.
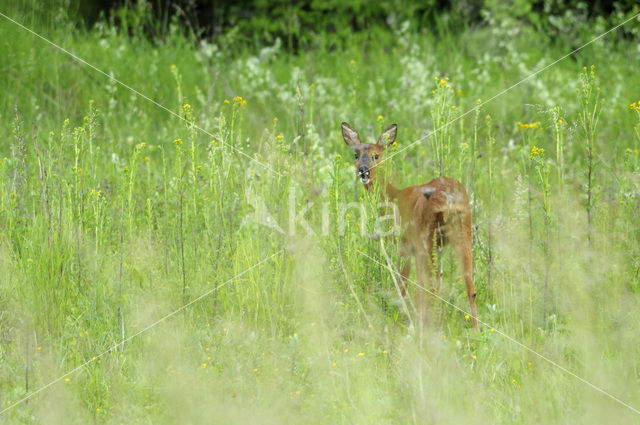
(404,275)
(422,272)
(427,269)
(406,251)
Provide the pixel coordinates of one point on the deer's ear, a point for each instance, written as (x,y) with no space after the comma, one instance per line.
(350,135)
(388,136)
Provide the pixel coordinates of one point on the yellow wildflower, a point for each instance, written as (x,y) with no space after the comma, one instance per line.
(204,365)
(380,118)
(536,152)
(360,354)
(529,125)
(172,67)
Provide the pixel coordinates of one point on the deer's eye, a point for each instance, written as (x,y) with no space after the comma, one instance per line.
(357,156)
(375,156)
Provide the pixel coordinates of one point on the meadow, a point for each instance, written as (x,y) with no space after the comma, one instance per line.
(115,212)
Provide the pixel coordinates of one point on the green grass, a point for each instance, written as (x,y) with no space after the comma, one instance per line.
(113,214)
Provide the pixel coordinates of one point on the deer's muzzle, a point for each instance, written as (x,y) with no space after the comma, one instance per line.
(364,174)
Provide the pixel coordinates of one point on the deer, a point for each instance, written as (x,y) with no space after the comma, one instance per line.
(431,215)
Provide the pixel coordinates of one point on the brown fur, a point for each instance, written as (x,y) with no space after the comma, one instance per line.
(433,214)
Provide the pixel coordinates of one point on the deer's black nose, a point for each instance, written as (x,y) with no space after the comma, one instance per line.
(363,171)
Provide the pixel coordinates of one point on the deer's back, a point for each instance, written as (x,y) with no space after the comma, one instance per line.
(441,204)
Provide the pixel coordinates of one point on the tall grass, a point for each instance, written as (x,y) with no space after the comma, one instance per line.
(114,214)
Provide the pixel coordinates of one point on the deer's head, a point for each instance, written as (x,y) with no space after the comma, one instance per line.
(368,155)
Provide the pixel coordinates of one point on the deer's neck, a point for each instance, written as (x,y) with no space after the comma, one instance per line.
(387,190)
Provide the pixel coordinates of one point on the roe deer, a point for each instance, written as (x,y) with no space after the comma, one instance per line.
(437,212)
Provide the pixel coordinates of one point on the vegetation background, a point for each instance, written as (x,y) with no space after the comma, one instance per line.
(115,212)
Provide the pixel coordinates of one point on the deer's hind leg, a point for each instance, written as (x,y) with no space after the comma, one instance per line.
(462,245)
